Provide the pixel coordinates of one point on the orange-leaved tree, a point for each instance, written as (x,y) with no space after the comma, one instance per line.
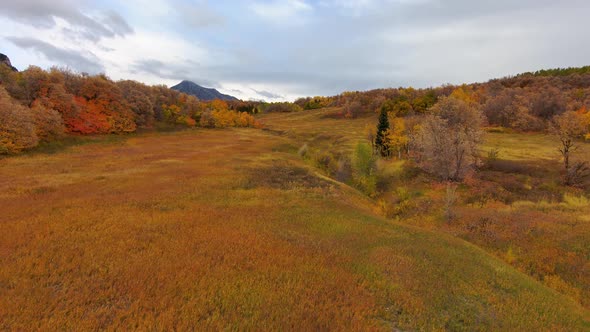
(17,125)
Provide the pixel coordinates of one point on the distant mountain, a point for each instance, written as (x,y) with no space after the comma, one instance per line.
(5,60)
(200,92)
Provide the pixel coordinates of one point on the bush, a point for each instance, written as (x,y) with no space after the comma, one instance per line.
(364,169)
(223,118)
(303,150)
(493,154)
(283,107)
(17,126)
(49,124)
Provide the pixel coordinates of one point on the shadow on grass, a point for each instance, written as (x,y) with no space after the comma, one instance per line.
(71,141)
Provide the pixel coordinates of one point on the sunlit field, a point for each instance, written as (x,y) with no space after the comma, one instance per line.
(231,229)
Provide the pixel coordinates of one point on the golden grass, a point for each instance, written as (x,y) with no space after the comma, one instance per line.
(530,147)
(515,202)
(180,231)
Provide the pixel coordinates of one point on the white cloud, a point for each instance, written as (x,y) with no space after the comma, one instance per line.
(284,12)
(294,48)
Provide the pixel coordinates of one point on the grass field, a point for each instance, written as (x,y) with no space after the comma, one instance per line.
(530,147)
(515,208)
(230,229)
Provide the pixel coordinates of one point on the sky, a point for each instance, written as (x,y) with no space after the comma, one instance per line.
(284,49)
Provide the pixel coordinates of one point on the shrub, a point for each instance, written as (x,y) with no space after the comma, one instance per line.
(303,150)
(575,202)
(223,118)
(281,107)
(343,170)
(364,169)
(493,154)
(17,125)
(48,123)
(450,200)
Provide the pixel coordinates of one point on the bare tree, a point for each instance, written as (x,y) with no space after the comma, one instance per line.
(569,127)
(449,138)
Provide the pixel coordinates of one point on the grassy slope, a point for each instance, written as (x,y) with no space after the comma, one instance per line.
(189,229)
(542,233)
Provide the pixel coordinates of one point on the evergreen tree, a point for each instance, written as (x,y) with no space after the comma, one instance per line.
(381,137)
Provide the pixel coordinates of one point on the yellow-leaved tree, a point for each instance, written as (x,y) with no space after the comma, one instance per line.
(585,116)
(396,138)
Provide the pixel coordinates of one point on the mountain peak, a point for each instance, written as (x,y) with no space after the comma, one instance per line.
(200,92)
(5,60)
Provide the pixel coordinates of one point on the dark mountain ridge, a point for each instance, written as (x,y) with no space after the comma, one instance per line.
(5,60)
(200,92)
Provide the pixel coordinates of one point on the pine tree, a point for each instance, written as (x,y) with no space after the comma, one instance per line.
(381,137)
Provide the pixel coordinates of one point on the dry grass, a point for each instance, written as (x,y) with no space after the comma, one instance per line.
(530,147)
(181,231)
(515,203)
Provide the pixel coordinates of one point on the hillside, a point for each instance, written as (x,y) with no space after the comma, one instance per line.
(200,92)
(240,233)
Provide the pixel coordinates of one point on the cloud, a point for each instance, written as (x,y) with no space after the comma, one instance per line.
(268,94)
(292,48)
(84,63)
(281,11)
(43,14)
(173,71)
(116,23)
(200,15)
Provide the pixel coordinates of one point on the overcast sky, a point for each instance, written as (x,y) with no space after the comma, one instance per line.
(283,49)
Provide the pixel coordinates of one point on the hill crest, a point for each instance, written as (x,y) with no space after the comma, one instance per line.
(200,92)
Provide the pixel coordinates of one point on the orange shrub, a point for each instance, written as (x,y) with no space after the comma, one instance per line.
(17,125)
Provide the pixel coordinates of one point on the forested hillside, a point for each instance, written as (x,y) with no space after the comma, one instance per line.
(40,106)
(525,102)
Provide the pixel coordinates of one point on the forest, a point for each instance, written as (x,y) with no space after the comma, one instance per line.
(59,101)
(42,106)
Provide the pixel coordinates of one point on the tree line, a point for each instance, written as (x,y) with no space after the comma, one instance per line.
(39,105)
(445,140)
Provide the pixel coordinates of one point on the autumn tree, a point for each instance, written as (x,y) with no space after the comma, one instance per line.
(498,109)
(364,169)
(585,116)
(103,109)
(396,139)
(421,104)
(316,102)
(548,102)
(413,127)
(280,107)
(569,127)
(398,106)
(49,124)
(58,99)
(352,109)
(449,138)
(35,82)
(17,125)
(380,136)
(138,98)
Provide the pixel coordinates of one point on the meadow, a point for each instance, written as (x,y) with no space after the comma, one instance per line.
(231,229)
